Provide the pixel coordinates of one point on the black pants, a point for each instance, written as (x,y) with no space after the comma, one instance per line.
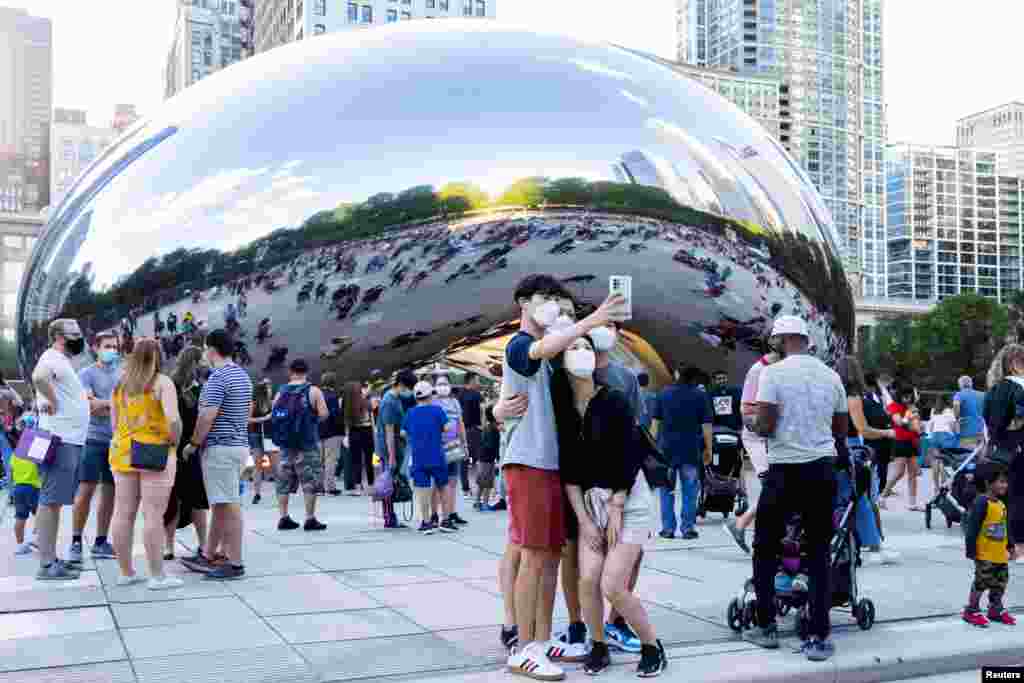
(474,439)
(808,489)
(360,456)
(1015,498)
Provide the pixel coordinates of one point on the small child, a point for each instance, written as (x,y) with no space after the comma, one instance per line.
(943,432)
(490,448)
(988,546)
(424,426)
(26,481)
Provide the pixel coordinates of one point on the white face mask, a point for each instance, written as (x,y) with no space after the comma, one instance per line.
(580,363)
(603,338)
(443,389)
(561,323)
(546,313)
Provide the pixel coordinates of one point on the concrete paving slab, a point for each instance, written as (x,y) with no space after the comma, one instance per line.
(223,610)
(348,625)
(112,672)
(391,576)
(209,635)
(442,605)
(71,649)
(385,657)
(196,586)
(307,593)
(279,664)
(55,623)
(22,593)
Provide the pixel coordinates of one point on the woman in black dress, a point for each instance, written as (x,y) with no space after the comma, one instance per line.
(1004,419)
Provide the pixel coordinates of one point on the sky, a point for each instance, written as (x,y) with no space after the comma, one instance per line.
(941,62)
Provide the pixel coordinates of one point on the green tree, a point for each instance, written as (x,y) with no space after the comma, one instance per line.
(524,192)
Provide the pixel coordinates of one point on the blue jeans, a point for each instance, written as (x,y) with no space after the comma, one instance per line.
(690,484)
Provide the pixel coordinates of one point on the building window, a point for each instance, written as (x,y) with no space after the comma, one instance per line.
(406,16)
(13,270)
(481,8)
(320,8)
(442,5)
(319,29)
(13,241)
(10,303)
(392,16)
(431,4)
(353,13)
(467,8)
(367,14)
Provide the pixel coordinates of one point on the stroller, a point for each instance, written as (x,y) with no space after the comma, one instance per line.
(957,492)
(720,488)
(791,584)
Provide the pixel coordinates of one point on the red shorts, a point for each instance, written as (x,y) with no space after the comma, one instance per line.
(536,509)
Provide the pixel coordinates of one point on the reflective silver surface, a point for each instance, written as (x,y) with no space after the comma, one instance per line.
(411,174)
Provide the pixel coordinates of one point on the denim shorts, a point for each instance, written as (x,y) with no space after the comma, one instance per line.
(26,500)
(95,465)
(60,477)
(422,475)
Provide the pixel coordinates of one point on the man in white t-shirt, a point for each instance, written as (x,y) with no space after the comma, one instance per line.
(64,412)
(803,414)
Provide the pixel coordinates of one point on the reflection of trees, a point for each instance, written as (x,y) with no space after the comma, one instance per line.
(159,281)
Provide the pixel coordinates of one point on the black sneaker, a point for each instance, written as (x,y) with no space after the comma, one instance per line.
(226,572)
(597,659)
(458,520)
(767,637)
(426,528)
(499,506)
(287,524)
(197,563)
(818,650)
(448,527)
(256,499)
(690,535)
(510,637)
(434,520)
(652,660)
(395,524)
(313,524)
(667,534)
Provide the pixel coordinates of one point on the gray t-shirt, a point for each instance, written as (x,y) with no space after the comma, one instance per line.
(616,376)
(100,382)
(71,422)
(532,439)
(808,393)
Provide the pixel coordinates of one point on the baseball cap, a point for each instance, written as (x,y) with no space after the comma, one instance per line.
(790,324)
(423,389)
(66,327)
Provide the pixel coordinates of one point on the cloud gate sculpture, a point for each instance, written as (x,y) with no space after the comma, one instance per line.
(377,194)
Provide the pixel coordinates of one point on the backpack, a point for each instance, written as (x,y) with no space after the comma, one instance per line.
(290,419)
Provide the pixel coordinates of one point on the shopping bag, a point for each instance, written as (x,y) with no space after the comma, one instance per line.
(38,446)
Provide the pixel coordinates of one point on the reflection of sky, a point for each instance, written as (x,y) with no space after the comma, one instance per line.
(281,136)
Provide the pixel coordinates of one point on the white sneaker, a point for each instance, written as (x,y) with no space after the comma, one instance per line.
(163,583)
(558,651)
(889,557)
(123,580)
(24,548)
(531,662)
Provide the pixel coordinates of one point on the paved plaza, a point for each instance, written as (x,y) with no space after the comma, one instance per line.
(359,602)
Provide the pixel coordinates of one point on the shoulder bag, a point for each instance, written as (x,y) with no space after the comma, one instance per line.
(653,462)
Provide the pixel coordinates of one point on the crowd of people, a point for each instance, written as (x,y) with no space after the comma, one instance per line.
(561,448)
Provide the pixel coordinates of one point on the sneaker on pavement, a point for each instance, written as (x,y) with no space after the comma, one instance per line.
(974,617)
(653,661)
(447,527)
(123,580)
(256,499)
(690,535)
(57,571)
(313,524)
(287,524)
(597,660)
(531,661)
(767,637)
(510,637)
(667,534)
(818,650)
(622,638)
(103,551)
(499,506)
(458,520)
(1001,617)
(395,524)
(426,528)
(197,563)
(557,651)
(739,536)
(226,572)
(163,583)
(75,553)
(23,548)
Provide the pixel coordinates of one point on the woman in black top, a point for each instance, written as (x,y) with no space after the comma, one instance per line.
(600,467)
(1004,418)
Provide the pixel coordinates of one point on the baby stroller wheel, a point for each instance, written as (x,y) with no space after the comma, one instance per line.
(865,614)
(734,615)
(748,615)
(803,624)
(928,516)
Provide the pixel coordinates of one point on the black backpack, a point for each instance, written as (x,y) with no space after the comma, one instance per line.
(290,419)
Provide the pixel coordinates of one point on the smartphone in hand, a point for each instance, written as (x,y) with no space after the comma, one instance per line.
(623,286)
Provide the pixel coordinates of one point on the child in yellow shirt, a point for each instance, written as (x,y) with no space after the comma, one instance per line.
(988,545)
(25,477)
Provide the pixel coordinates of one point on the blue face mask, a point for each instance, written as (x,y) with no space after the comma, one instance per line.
(108,356)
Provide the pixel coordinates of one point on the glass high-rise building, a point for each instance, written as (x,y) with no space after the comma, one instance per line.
(828,56)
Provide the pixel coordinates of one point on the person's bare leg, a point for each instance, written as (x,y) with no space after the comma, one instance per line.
(154,502)
(527,593)
(571,580)
(47,523)
(257,480)
(199,522)
(19,530)
(447,501)
(105,509)
(615,585)
(546,601)
(233,530)
(424,502)
(746,519)
(127,509)
(282,504)
(310,501)
(591,565)
(897,468)
(913,470)
(508,569)
(216,533)
(435,502)
(171,532)
(80,511)
(613,614)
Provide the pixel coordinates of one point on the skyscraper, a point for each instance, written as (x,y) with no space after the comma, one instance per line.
(282,21)
(1000,129)
(208,36)
(74,145)
(828,55)
(26,94)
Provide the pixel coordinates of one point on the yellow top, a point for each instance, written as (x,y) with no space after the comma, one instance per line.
(25,472)
(139,418)
(992,534)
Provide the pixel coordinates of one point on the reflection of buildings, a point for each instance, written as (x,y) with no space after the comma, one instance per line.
(1001,130)
(26,92)
(60,277)
(830,63)
(18,234)
(124,116)
(283,21)
(954,224)
(73,146)
(208,36)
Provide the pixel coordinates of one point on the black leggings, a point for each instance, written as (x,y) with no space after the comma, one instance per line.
(1015,498)
(360,455)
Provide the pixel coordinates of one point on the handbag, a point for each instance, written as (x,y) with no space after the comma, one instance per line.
(454,452)
(383,486)
(403,491)
(151,457)
(653,462)
(38,446)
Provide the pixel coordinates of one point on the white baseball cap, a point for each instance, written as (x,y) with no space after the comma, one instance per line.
(423,389)
(790,324)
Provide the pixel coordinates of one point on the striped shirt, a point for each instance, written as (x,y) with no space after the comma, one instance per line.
(228,389)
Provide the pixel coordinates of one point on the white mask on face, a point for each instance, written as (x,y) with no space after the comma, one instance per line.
(561,323)
(580,363)
(546,313)
(443,389)
(603,338)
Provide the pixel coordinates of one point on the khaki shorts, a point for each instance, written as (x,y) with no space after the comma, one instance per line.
(222,468)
